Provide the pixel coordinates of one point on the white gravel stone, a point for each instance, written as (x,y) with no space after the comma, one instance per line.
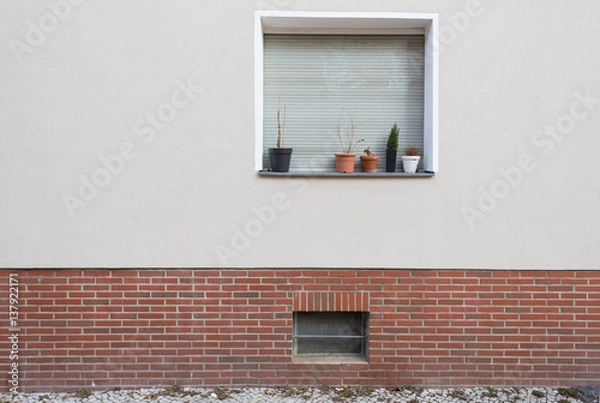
(301,395)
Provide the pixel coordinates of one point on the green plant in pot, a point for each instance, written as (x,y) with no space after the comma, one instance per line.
(391,149)
(281,156)
(410,160)
(344,161)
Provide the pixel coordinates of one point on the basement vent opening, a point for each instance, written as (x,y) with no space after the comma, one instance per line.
(331,336)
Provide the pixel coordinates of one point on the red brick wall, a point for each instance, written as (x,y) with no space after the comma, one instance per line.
(108,328)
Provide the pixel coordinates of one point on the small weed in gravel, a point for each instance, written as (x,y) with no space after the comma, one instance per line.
(458,394)
(286,391)
(538,393)
(363,391)
(177,391)
(342,394)
(490,392)
(222,394)
(569,392)
(83,393)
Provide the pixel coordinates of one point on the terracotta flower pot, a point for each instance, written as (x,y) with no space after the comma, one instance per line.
(344,162)
(369,162)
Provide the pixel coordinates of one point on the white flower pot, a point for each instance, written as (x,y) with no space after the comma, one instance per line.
(409,163)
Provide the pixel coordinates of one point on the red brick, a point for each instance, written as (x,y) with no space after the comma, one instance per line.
(426,326)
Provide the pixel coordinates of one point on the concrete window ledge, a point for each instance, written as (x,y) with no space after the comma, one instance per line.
(332,174)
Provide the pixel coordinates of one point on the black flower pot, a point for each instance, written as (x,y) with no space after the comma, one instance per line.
(280,159)
(390,160)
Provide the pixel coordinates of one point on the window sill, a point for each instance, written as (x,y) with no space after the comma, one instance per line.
(332,359)
(358,174)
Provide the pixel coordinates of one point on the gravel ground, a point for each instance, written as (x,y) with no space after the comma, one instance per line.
(323,394)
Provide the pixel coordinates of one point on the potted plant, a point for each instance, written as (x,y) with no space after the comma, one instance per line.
(391,149)
(368,162)
(411,160)
(280,157)
(344,161)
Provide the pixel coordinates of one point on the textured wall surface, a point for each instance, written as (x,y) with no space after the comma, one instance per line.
(127,140)
(125,328)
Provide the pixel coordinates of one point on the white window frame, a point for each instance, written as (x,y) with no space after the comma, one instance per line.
(350,23)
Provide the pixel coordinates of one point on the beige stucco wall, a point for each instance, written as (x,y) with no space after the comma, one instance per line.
(519,116)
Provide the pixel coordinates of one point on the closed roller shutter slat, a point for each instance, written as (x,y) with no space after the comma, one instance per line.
(318,75)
